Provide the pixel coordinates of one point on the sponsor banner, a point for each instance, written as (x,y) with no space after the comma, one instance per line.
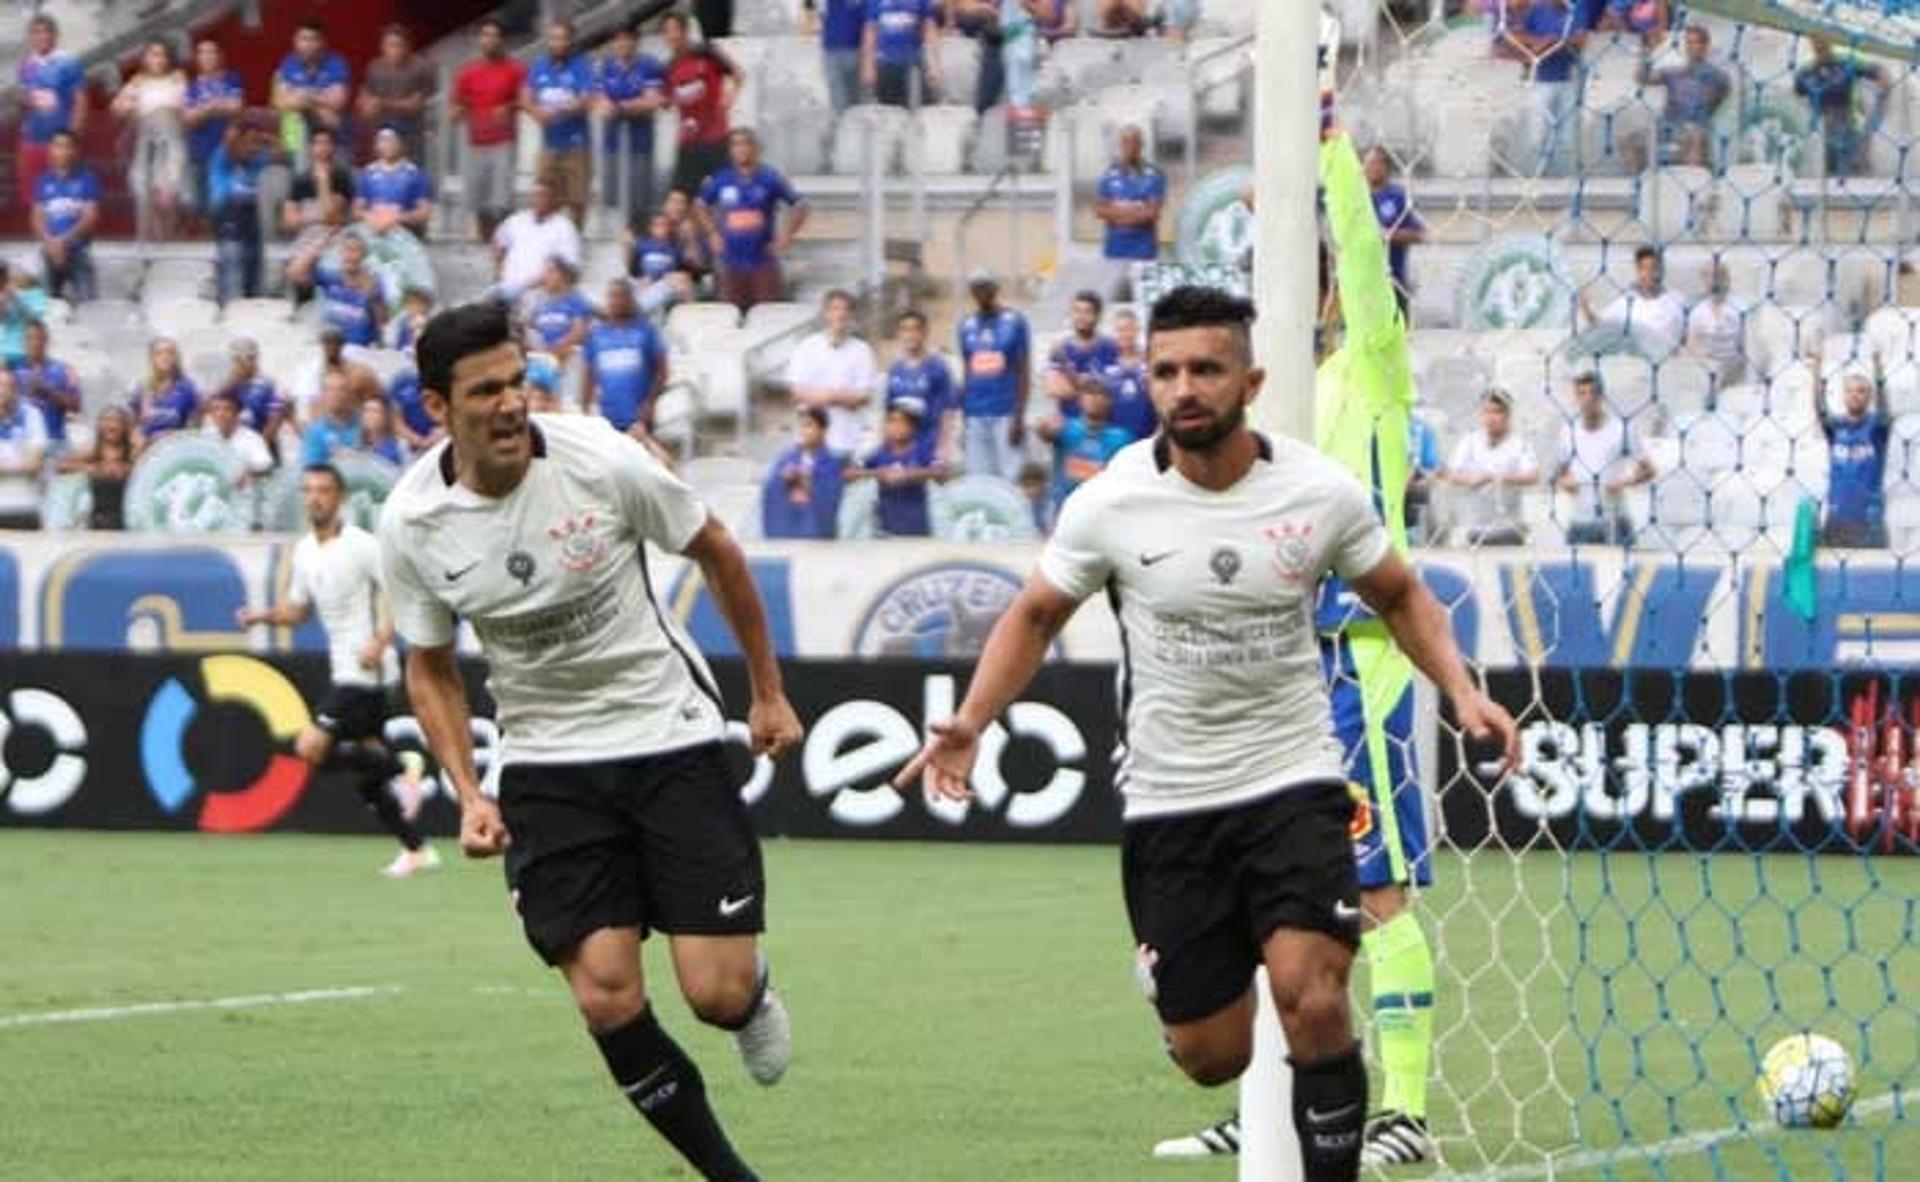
(1513,281)
(1671,760)
(1214,228)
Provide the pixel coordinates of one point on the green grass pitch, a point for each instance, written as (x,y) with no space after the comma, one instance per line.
(960,1013)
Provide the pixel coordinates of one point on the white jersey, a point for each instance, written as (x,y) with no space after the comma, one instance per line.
(341,579)
(1221,692)
(584,665)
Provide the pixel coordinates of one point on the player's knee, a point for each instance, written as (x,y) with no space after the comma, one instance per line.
(608,1002)
(1314,1009)
(719,996)
(1209,1062)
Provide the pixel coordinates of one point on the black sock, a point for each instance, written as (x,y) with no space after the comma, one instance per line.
(373,768)
(666,1087)
(1330,1112)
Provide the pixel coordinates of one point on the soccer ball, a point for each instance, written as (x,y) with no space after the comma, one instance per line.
(1806,1081)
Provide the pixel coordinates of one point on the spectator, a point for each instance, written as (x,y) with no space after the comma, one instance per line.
(48,386)
(740,210)
(683,221)
(833,370)
(715,17)
(524,242)
(412,422)
(1545,37)
(398,86)
(223,423)
(626,365)
(1022,24)
(1131,195)
(994,355)
(1828,83)
(154,100)
(106,466)
(22,301)
(66,208)
(630,87)
(377,436)
(900,52)
(307,393)
(1083,443)
(701,81)
(1177,18)
(165,401)
(392,193)
(902,466)
(23,454)
(53,89)
(312,83)
(558,91)
(1490,467)
(841,28)
(801,498)
(1600,459)
(1057,19)
(1717,331)
(315,210)
(262,408)
(234,172)
(416,308)
(1652,317)
(1401,226)
(215,97)
(980,21)
(543,385)
(354,304)
(1645,19)
(659,266)
(1126,379)
(1857,442)
(1423,469)
(486,97)
(924,376)
(337,427)
(1081,353)
(560,315)
(1695,91)
(1122,18)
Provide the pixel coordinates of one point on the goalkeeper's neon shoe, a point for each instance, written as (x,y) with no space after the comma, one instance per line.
(766,1041)
(1395,1139)
(1217,1140)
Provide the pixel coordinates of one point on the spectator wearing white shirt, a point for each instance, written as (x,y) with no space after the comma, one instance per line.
(1600,459)
(1717,331)
(1653,317)
(1490,467)
(222,422)
(526,241)
(835,371)
(23,450)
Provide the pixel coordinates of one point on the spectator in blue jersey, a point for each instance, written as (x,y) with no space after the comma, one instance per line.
(1645,19)
(1131,195)
(901,468)
(336,423)
(1401,227)
(48,386)
(1696,89)
(543,384)
(657,266)
(353,301)
(1084,443)
(23,456)
(262,407)
(412,422)
(215,96)
(1857,443)
(626,364)
(995,351)
(392,193)
(740,209)
(1424,469)
(53,95)
(631,88)
(840,24)
(416,308)
(1828,83)
(165,400)
(377,436)
(312,82)
(1546,39)
(924,376)
(979,20)
(558,316)
(234,174)
(1126,379)
(801,497)
(66,207)
(558,92)
(1082,352)
(900,52)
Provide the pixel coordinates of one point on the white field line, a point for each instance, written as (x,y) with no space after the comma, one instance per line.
(253,1001)
(1692,1143)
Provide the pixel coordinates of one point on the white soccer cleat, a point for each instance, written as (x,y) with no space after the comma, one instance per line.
(1219,1140)
(408,863)
(766,1041)
(1396,1139)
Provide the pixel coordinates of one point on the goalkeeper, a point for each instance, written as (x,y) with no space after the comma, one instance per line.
(1364,398)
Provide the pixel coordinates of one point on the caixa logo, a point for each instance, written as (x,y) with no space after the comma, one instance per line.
(857,742)
(33,786)
(163,741)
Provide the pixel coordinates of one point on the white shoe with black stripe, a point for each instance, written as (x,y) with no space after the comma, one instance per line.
(1396,1139)
(1220,1140)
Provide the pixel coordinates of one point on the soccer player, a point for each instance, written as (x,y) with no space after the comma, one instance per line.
(617,812)
(336,573)
(1209,542)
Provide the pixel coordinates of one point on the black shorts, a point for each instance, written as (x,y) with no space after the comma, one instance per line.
(1205,890)
(654,842)
(351,713)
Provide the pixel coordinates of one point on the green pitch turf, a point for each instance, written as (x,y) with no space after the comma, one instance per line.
(960,1013)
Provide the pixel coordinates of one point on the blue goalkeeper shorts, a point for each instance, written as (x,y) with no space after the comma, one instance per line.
(1390,817)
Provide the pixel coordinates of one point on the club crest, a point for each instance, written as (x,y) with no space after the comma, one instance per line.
(581,548)
(1292,549)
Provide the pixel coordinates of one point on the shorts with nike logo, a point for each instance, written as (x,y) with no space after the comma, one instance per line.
(1205,890)
(656,842)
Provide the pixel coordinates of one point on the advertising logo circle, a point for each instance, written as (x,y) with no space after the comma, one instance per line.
(163,734)
(62,776)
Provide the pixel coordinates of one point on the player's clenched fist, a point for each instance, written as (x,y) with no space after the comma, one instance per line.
(945,764)
(482,833)
(772,726)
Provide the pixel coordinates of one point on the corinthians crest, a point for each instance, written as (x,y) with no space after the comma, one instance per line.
(581,549)
(1292,549)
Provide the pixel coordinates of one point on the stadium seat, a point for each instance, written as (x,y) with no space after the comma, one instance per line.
(797,133)
(959,67)
(866,128)
(1672,202)
(1080,67)
(687,323)
(181,315)
(938,144)
(765,17)
(1221,69)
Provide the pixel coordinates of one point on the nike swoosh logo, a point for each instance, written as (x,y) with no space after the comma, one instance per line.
(1150,559)
(1327,1118)
(1346,913)
(732,907)
(454,576)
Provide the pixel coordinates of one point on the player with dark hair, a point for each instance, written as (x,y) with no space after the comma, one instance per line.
(623,813)
(1209,542)
(336,574)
